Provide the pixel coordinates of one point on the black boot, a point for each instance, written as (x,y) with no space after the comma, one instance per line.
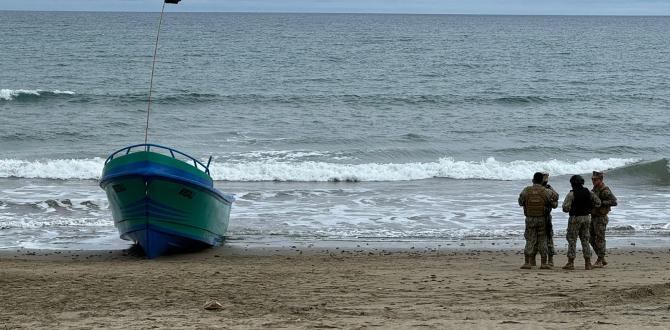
(570,265)
(526,265)
(599,263)
(543,263)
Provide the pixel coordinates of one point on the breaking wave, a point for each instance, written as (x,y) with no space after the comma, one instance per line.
(312,171)
(52,168)
(490,169)
(30,95)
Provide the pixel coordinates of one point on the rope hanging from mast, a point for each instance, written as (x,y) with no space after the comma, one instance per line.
(153,65)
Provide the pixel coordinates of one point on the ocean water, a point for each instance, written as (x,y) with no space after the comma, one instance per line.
(335,126)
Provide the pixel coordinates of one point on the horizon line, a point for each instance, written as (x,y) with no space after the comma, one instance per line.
(333,12)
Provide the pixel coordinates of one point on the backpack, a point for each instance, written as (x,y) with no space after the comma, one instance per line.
(536,201)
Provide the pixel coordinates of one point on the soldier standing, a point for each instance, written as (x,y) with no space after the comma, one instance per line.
(535,201)
(599,217)
(578,203)
(548,225)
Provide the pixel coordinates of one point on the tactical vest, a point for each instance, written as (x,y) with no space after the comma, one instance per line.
(603,210)
(536,202)
(582,203)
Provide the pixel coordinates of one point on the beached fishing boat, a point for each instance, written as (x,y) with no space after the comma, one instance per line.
(162,202)
(161,198)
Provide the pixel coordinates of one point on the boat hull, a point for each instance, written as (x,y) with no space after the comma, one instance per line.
(164,204)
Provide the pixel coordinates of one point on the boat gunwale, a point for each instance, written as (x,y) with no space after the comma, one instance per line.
(171,150)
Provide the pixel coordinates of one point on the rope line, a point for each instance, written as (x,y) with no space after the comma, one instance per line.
(151,81)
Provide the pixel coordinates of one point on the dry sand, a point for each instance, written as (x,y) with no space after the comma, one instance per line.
(349,288)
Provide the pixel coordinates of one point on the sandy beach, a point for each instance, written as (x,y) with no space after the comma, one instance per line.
(350,288)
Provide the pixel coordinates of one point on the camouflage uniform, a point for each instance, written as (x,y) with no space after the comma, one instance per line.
(599,219)
(578,226)
(535,234)
(549,227)
(536,237)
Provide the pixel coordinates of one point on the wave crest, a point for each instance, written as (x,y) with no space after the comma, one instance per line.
(312,171)
(30,95)
(52,168)
(490,169)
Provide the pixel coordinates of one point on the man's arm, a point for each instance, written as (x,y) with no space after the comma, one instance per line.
(595,200)
(567,203)
(552,196)
(608,198)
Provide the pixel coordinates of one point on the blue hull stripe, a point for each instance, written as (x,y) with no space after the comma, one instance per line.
(150,170)
(155,240)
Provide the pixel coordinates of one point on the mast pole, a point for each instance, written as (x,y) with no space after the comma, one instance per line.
(151,81)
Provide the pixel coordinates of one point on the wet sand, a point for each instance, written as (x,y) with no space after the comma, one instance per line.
(342,287)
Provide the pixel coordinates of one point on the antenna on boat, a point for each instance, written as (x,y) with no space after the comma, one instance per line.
(153,65)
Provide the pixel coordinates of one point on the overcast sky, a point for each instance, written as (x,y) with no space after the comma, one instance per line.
(513,7)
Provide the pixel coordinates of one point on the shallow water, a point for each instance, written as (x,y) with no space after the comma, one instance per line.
(53,214)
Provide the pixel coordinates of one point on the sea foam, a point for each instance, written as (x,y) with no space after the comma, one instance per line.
(490,169)
(52,168)
(310,171)
(11,94)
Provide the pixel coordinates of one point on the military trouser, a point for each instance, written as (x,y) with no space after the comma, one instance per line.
(536,238)
(549,229)
(597,231)
(578,226)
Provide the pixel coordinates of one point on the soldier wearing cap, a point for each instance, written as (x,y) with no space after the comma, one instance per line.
(535,200)
(599,217)
(548,225)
